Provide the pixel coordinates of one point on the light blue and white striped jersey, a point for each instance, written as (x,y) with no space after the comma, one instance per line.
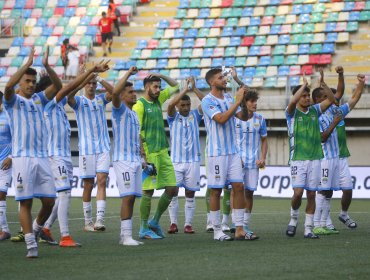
(184,132)
(93,137)
(27,125)
(126,134)
(5,137)
(248,139)
(59,129)
(331,146)
(221,137)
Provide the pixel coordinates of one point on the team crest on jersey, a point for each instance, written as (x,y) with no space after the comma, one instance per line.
(313,118)
(237,125)
(300,119)
(257,124)
(217,177)
(21,103)
(211,108)
(149,110)
(37,102)
(190,118)
(100,102)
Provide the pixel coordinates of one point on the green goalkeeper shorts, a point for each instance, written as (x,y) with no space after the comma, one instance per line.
(165,172)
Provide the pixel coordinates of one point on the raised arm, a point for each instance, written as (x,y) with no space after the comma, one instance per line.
(199,94)
(168,80)
(325,134)
(56,85)
(14,79)
(116,100)
(295,98)
(80,81)
(107,86)
(222,118)
(341,85)
(358,91)
(171,109)
(330,97)
(235,76)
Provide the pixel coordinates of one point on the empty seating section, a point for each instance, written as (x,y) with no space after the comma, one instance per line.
(48,23)
(261,38)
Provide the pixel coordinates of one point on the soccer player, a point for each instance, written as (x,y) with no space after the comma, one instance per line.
(223,162)
(251,136)
(94,147)
(185,152)
(330,165)
(305,152)
(59,134)
(31,166)
(5,169)
(154,140)
(126,152)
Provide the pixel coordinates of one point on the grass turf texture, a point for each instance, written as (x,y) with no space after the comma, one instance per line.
(197,256)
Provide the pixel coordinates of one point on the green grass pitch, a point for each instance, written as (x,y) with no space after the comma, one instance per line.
(180,256)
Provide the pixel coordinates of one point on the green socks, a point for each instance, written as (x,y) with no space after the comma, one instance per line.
(163,203)
(208,192)
(145,205)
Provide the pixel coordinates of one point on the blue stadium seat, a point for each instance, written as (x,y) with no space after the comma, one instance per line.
(91,30)
(24,51)
(42,22)
(254,50)
(207,52)
(265,60)
(249,71)
(229,61)
(179,33)
(283,70)
(331,37)
(255,21)
(120,65)
(227,31)
(204,13)
(2,71)
(235,41)
(142,44)
(349,6)
(354,16)
(47,31)
(275,29)
(27,13)
(138,85)
(62,3)
(296,10)
(85,21)
(240,31)
(165,53)
(185,73)
(303,48)
(239,71)
(18,41)
(130,63)
(164,23)
(330,26)
(202,84)
(69,12)
(188,43)
(284,39)
(162,63)
(37,62)
(274,2)
(208,23)
(328,48)
(195,72)
(247,12)
(19,4)
(191,33)
(294,81)
(307,9)
(183,4)
(304,18)
(248,81)
(217,62)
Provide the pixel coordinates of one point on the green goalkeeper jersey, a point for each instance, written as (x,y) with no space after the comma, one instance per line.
(151,121)
(342,140)
(304,134)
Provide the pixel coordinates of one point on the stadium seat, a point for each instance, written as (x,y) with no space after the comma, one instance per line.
(271,71)
(325,59)
(307,70)
(214,32)
(175,43)
(203,32)
(180,33)
(229,61)
(259,40)
(240,61)
(284,39)
(270,82)
(303,59)
(242,51)
(198,52)
(254,50)
(217,62)
(165,53)
(235,41)
(265,60)
(240,31)
(247,41)
(279,50)
(232,22)
(175,53)
(304,18)
(205,62)
(252,61)
(208,52)
(275,29)
(291,60)
(277,60)
(292,49)
(218,52)
(191,33)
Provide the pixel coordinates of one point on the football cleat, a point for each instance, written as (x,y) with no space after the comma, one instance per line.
(148,234)
(46,237)
(4,235)
(348,222)
(89,227)
(32,252)
(321,231)
(154,226)
(188,229)
(173,229)
(18,238)
(311,235)
(128,241)
(99,225)
(225,228)
(291,230)
(67,241)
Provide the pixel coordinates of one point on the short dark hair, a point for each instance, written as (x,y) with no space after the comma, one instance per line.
(296,88)
(185,98)
(103,13)
(66,41)
(31,71)
(151,79)
(44,83)
(251,94)
(128,84)
(333,90)
(1,96)
(211,73)
(316,93)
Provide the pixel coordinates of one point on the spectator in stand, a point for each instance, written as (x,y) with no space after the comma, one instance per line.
(105,25)
(114,13)
(63,55)
(73,62)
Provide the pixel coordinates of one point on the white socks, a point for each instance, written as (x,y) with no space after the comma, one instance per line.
(247,217)
(30,240)
(308,224)
(64,198)
(325,211)
(3,221)
(293,217)
(87,212)
(173,209)
(344,214)
(239,217)
(53,216)
(318,210)
(100,209)
(36,228)
(225,219)
(189,210)
(215,220)
(126,234)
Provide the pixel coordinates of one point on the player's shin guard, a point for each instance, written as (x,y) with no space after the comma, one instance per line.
(145,205)
(64,198)
(3,221)
(189,210)
(53,216)
(173,209)
(163,203)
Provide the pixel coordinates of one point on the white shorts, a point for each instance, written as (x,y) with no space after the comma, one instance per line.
(92,164)
(5,179)
(223,170)
(33,178)
(128,176)
(250,178)
(306,174)
(345,179)
(72,70)
(188,175)
(62,171)
(329,174)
